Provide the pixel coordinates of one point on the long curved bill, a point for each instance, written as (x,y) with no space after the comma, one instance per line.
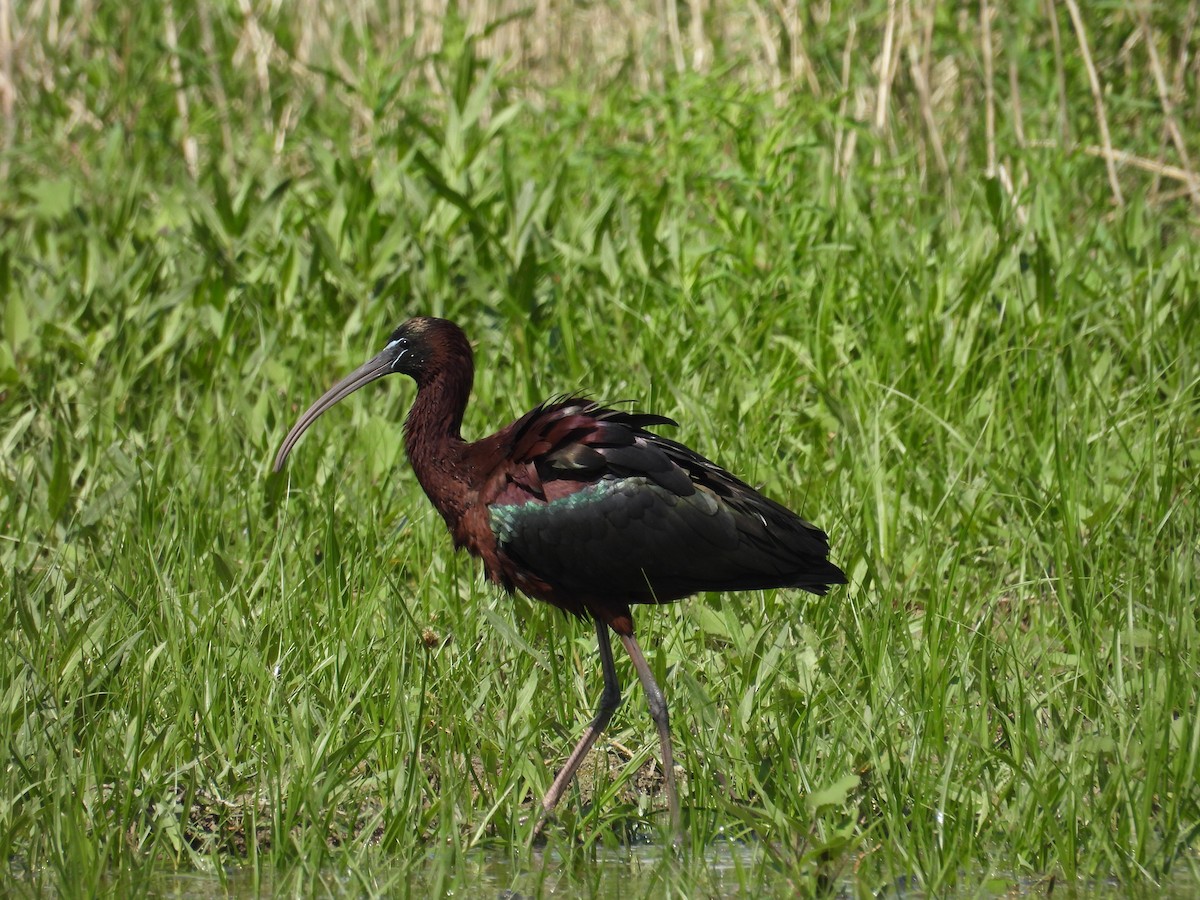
(366,373)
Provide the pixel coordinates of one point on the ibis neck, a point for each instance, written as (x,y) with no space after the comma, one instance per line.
(433,436)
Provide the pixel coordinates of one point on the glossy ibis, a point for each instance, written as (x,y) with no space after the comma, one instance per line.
(581,507)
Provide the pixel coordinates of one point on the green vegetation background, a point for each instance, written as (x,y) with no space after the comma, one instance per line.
(925,272)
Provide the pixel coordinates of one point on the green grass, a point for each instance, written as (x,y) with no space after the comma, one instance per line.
(990,399)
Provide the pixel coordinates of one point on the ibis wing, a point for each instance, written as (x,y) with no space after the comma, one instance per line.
(593,503)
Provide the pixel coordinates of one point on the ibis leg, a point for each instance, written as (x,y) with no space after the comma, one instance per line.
(610,699)
(658,712)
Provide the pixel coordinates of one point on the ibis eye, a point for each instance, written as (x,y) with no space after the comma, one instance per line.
(399,348)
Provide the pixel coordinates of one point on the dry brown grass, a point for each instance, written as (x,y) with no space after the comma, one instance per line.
(920,80)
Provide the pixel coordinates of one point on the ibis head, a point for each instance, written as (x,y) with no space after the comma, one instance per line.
(407,351)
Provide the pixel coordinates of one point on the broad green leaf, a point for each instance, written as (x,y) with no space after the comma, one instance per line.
(52,197)
(16,321)
(834,794)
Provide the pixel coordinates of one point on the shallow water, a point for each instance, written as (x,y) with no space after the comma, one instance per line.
(643,870)
(727,870)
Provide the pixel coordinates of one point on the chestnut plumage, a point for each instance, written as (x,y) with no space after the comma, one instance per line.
(582,507)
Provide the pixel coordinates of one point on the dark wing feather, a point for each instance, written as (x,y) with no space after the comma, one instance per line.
(595,505)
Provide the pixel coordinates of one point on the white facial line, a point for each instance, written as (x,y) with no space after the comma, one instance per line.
(399,356)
